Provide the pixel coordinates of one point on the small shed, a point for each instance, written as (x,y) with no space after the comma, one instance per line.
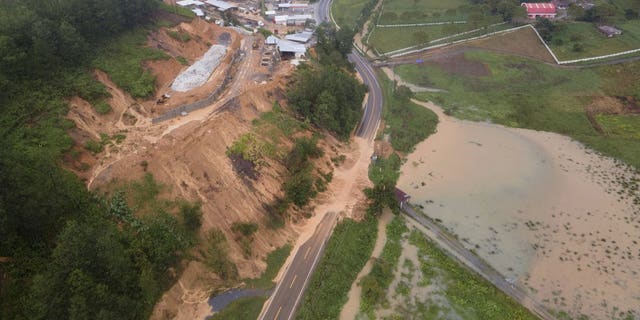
(198,12)
(272,40)
(610,31)
(401,197)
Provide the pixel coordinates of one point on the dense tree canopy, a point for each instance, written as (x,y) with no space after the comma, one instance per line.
(328,96)
(67,253)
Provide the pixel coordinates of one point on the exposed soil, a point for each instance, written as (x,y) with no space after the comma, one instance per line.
(456,63)
(523,42)
(187,154)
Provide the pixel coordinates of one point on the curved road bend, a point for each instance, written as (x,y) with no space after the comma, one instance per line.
(465,256)
(288,292)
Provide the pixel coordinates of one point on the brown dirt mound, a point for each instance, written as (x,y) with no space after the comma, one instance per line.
(523,42)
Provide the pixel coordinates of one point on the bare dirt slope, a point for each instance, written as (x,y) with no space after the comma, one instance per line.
(187,154)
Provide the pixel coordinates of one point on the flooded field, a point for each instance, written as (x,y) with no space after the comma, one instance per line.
(545,211)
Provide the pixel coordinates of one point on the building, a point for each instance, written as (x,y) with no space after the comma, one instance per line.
(609,31)
(189,3)
(222,5)
(401,197)
(287,48)
(540,10)
(302,37)
(293,20)
(198,12)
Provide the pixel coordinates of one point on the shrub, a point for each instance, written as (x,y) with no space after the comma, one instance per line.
(94,147)
(182,60)
(217,255)
(246,229)
(102,107)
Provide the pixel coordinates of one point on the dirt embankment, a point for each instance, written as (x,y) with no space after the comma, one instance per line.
(187,154)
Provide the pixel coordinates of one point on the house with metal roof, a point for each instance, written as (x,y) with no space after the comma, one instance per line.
(301,37)
(222,5)
(540,10)
(189,3)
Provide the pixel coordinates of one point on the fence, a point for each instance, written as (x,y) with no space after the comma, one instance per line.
(402,52)
(420,24)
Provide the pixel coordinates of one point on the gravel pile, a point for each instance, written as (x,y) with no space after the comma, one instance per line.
(197,74)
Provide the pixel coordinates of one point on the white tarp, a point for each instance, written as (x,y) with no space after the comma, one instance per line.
(198,73)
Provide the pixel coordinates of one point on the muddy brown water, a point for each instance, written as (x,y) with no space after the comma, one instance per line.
(541,208)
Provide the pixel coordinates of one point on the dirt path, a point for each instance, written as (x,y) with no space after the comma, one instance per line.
(352,307)
(414,88)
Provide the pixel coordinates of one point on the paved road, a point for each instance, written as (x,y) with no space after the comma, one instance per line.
(373,109)
(455,249)
(288,292)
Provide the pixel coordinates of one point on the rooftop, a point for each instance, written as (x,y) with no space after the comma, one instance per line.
(543,7)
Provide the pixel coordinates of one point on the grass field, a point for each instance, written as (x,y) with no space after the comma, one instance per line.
(523,93)
(591,41)
(345,12)
(122,59)
(411,11)
(389,39)
(406,123)
(348,250)
(469,295)
(275,260)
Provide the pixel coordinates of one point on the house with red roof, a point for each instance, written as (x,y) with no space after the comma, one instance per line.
(540,10)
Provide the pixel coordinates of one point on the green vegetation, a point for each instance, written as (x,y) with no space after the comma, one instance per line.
(409,11)
(243,308)
(122,58)
(252,149)
(185,12)
(275,260)
(180,36)
(375,284)
(244,236)
(477,15)
(577,40)
(299,188)
(328,96)
(93,146)
(407,123)
(347,251)
(352,13)
(216,256)
(524,93)
(579,37)
(102,107)
(183,61)
(73,254)
(470,296)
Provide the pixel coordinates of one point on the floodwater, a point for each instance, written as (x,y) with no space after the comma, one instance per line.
(220,301)
(540,207)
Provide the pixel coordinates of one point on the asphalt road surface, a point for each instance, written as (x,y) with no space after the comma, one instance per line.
(373,109)
(288,292)
(456,250)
